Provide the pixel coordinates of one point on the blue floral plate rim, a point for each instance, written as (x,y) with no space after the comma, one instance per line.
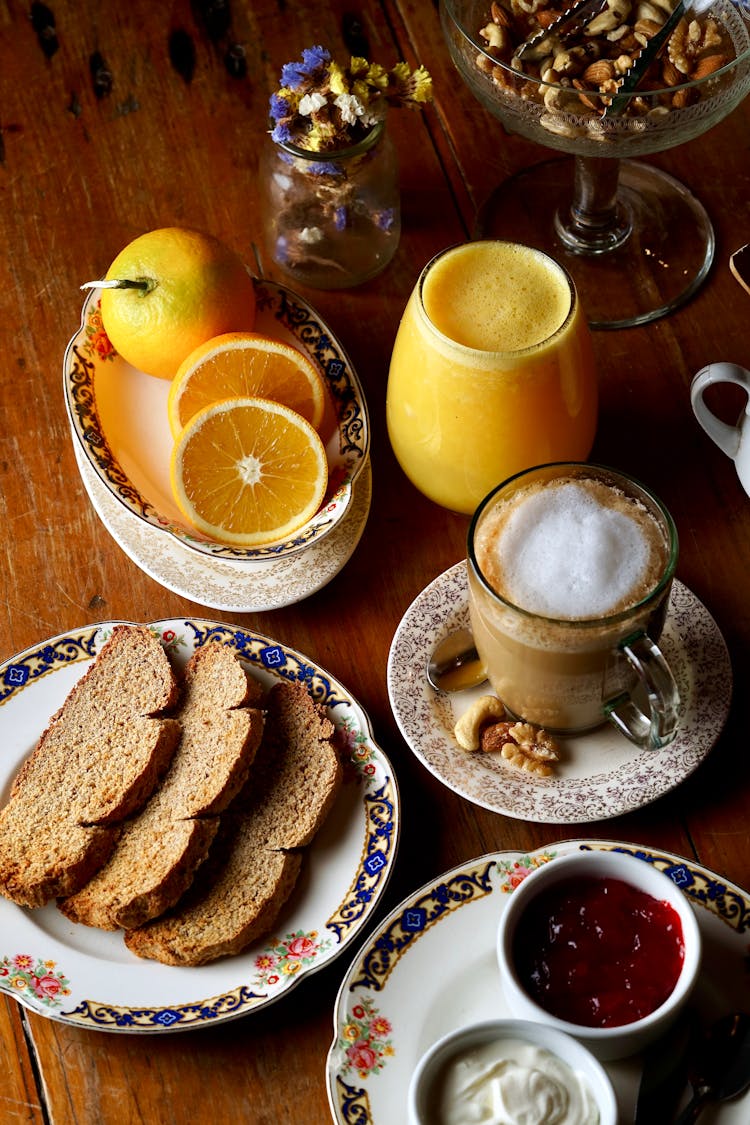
(87,978)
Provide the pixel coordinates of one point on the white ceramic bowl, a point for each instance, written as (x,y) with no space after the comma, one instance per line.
(431,1067)
(119,420)
(624,1039)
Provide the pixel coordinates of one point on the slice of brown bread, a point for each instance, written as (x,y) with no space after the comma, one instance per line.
(159,850)
(251,871)
(99,759)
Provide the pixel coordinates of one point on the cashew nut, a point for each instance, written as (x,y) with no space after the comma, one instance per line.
(483,710)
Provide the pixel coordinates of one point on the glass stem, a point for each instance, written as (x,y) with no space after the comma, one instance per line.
(595,222)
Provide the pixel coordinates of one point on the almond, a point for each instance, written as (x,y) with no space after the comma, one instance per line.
(500,16)
(670,74)
(599,72)
(708,65)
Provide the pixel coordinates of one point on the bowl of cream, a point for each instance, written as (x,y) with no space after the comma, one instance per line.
(513,1071)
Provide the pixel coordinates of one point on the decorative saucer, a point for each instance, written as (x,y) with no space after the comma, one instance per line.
(233,587)
(601,774)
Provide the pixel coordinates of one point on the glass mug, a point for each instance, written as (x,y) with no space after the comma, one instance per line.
(570,569)
(492,372)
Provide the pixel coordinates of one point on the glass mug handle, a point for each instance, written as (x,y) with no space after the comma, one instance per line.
(656,728)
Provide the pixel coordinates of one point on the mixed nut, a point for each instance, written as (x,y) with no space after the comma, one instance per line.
(486,727)
(579,69)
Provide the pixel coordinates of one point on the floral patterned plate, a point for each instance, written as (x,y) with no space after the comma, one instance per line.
(600,774)
(119,420)
(431,967)
(88,978)
(270,583)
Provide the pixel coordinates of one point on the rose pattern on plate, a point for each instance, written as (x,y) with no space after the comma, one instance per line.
(285,957)
(354,748)
(97,343)
(514,871)
(34,978)
(365,1040)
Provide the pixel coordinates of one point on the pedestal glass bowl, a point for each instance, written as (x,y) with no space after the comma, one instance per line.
(636,241)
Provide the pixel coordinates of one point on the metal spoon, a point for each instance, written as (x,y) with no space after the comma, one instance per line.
(720,1068)
(455,664)
(739,264)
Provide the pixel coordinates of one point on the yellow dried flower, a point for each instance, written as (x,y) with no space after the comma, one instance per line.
(377,76)
(337,80)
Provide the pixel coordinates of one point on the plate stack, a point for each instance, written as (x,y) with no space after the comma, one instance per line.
(122,442)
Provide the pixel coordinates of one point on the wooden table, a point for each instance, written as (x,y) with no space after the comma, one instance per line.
(101,138)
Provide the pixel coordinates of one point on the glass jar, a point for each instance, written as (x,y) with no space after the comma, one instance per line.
(332,219)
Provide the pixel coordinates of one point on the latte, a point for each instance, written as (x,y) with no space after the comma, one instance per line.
(567,564)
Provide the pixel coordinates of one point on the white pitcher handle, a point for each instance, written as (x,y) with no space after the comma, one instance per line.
(726,437)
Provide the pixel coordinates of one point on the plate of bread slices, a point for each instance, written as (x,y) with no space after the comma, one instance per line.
(193,818)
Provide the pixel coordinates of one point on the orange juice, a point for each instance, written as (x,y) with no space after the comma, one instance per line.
(492,372)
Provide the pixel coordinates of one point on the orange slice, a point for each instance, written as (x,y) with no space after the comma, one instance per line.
(245,365)
(248,471)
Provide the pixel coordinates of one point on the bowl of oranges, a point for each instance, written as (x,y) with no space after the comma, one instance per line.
(217,408)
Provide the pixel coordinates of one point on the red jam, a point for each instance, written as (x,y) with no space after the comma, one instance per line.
(598,952)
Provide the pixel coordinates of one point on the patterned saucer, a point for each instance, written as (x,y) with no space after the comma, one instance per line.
(236,588)
(601,774)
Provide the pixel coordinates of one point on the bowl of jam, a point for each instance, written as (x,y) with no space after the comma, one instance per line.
(601,945)
(509,1070)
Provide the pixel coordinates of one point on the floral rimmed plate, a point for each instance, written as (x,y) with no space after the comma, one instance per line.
(87,977)
(119,420)
(600,774)
(229,586)
(430,967)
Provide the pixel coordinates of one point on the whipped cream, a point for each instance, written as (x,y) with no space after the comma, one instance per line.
(511,1082)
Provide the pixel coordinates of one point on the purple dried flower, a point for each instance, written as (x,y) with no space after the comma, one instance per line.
(293,74)
(279,107)
(385,219)
(313,57)
(281,133)
(282,249)
(339,218)
(324,168)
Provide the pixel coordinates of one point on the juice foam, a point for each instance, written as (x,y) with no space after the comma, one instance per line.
(496,296)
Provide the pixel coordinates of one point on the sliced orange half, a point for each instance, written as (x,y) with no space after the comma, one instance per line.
(248,471)
(245,365)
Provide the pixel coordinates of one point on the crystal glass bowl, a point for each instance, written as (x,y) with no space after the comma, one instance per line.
(572,95)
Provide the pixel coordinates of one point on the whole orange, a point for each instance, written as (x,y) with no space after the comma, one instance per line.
(193,287)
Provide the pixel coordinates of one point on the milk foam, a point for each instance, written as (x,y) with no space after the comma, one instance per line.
(574,550)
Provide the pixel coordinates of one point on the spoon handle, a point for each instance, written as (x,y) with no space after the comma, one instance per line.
(695,1106)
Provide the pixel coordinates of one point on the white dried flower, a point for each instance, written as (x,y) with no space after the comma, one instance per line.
(350,108)
(311,102)
(310,235)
